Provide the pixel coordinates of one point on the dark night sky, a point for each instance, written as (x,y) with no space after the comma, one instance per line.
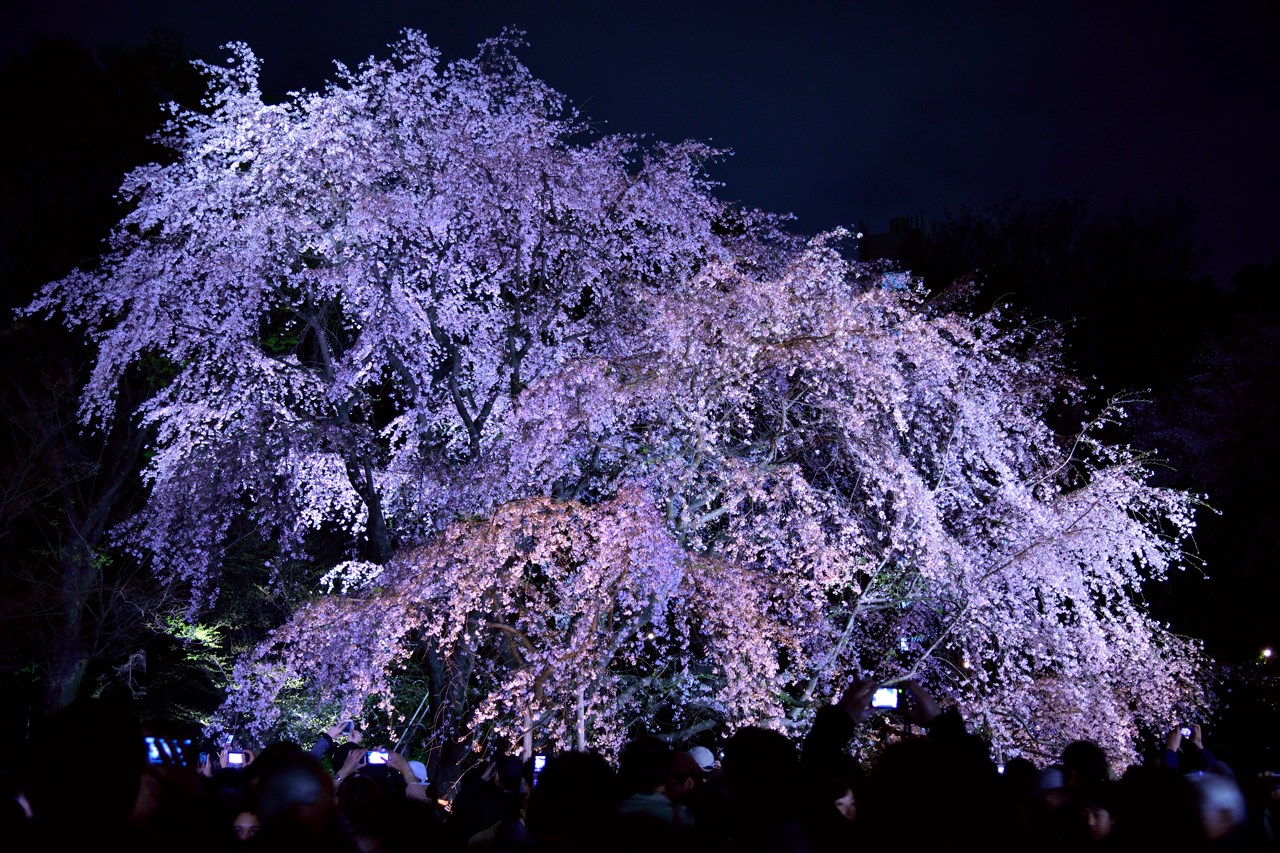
(842,112)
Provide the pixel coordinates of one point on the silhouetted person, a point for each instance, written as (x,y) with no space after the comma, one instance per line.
(65,814)
(491,794)
(571,809)
(941,790)
(762,777)
(297,804)
(1157,809)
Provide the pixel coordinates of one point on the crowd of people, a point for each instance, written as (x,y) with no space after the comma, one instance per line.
(83,777)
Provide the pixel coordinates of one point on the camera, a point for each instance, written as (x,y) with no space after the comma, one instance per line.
(235,759)
(1186,731)
(167,750)
(376,756)
(154,753)
(885,697)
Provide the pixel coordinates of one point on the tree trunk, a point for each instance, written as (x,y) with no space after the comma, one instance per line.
(68,658)
(62,681)
(449,679)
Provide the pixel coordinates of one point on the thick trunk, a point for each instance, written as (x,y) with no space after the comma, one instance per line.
(62,681)
(449,681)
(68,657)
(379,535)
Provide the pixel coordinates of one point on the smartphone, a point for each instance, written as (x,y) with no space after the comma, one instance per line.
(155,750)
(539,762)
(235,759)
(167,750)
(204,759)
(348,726)
(376,756)
(1186,731)
(228,740)
(885,697)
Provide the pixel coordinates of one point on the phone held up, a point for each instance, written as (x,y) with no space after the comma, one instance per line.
(885,698)
(375,756)
(539,762)
(162,750)
(1186,731)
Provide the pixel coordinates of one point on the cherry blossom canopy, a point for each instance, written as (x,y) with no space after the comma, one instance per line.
(598,442)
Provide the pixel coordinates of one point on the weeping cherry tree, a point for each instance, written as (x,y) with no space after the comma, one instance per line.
(603,449)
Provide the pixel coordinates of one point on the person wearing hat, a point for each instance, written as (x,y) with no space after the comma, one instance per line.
(1048,812)
(687,774)
(704,758)
(654,781)
(702,793)
(414,777)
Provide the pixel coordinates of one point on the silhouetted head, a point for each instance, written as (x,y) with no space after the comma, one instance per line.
(295,796)
(1084,764)
(574,800)
(1223,809)
(510,771)
(365,802)
(1020,775)
(761,768)
(342,751)
(644,764)
(103,733)
(269,757)
(1157,809)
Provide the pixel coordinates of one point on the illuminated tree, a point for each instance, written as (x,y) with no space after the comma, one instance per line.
(600,442)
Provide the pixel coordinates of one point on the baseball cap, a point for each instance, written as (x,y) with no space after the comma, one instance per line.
(704,758)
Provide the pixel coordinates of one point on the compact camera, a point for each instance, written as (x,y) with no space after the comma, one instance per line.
(1186,731)
(885,697)
(235,759)
(376,756)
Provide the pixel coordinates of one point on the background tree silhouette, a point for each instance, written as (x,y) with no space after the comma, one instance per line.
(72,605)
(1127,287)
(1127,284)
